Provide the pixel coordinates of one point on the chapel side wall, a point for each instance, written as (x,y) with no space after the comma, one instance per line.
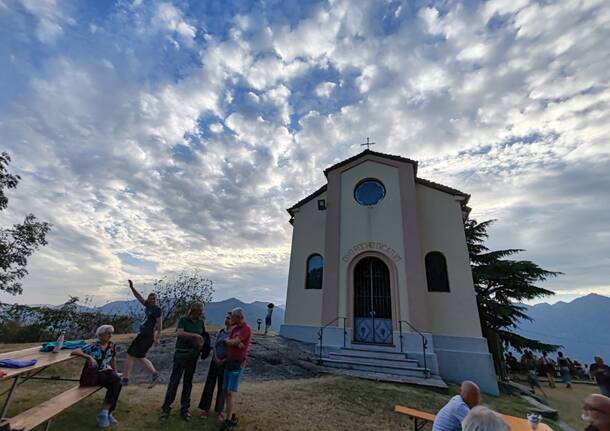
(303,306)
(451,313)
(380,224)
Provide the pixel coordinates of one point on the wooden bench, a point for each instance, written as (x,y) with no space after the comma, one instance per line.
(420,419)
(49,409)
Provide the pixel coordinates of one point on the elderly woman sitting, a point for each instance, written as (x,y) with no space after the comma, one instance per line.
(100,370)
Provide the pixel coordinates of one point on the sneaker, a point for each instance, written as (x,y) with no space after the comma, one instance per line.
(112,420)
(204,414)
(103,421)
(164,416)
(153,380)
(220,417)
(124,382)
(234,421)
(226,425)
(186,416)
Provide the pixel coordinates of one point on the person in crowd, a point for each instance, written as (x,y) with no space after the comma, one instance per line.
(237,345)
(481,418)
(565,364)
(512,362)
(150,332)
(548,368)
(578,371)
(450,417)
(534,382)
(100,370)
(601,373)
(270,308)
(596,411)
(191,334)
(215,376)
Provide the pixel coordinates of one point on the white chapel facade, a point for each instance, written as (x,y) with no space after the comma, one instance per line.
(378,250)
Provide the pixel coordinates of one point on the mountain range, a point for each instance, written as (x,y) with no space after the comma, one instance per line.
(581,326)
(214,311)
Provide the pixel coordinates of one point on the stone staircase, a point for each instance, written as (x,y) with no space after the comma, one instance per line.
(381,363)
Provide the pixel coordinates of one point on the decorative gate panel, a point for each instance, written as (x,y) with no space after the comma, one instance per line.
(372,302)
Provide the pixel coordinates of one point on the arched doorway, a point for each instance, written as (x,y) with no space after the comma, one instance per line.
(372,302)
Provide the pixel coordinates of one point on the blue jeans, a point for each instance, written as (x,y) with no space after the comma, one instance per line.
(231,380)
(565,375)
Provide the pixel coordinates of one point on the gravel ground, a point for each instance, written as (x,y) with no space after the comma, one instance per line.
(271,357)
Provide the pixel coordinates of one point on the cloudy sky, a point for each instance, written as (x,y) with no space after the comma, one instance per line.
(160,136)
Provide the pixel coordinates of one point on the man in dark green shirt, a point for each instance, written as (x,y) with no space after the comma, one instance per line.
(189,343)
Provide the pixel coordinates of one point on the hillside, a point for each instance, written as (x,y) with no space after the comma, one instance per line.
(582,326)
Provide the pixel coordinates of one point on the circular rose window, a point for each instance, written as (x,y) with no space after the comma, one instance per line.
(369,192)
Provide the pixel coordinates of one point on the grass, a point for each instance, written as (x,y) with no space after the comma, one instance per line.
(324,403)
(568,402)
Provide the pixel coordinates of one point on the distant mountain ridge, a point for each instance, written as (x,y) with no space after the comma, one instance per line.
(582,326)
(214,311)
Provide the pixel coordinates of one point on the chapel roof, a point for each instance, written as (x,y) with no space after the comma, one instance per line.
(422,181)
(372,153)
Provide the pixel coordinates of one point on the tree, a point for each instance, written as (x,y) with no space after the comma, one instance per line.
(76,319)
(176,294)
(501,286)
(18,242)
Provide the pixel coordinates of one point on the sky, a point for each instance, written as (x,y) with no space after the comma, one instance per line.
(163,136)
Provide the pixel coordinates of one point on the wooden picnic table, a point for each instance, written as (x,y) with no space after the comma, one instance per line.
(420,418)
(21,375)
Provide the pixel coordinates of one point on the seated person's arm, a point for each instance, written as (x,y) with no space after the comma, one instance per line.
(79,352)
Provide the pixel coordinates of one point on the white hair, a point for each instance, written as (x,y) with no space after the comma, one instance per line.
(238,312)
(480,418)
(103,329)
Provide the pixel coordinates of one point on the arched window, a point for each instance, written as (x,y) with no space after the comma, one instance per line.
(436,272)
(315,267)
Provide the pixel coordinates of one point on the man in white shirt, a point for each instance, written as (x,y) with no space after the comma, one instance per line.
(450,417)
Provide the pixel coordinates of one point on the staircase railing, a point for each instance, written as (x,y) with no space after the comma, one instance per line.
(424,343)
(321,334)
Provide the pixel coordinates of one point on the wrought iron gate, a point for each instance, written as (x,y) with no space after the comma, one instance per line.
(372,302)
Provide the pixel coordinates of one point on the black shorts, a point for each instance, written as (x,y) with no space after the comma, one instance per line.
(140,346)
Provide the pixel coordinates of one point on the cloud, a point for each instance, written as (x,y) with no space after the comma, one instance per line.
(158,137)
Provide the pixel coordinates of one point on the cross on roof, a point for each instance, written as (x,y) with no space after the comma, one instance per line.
(367,143)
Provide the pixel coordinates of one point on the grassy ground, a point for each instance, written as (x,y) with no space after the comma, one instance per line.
(323,403)
(326,403)
(568,402)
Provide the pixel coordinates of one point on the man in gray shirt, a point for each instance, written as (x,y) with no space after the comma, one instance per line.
(450,417)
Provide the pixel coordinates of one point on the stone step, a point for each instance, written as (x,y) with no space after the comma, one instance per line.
(373,354)
(400,369)
(390,348)
(374,360)
(434,382)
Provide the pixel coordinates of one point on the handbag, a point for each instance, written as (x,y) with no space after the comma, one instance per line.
(89,375)
(207,346)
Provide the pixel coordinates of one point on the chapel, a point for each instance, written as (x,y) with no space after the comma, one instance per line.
(379,267)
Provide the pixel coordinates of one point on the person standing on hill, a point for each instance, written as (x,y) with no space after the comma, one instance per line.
(216,374)
(237,345)
(270,307)
(548,368)
(190,341)
(564,364)
(601,372)
(150,332)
